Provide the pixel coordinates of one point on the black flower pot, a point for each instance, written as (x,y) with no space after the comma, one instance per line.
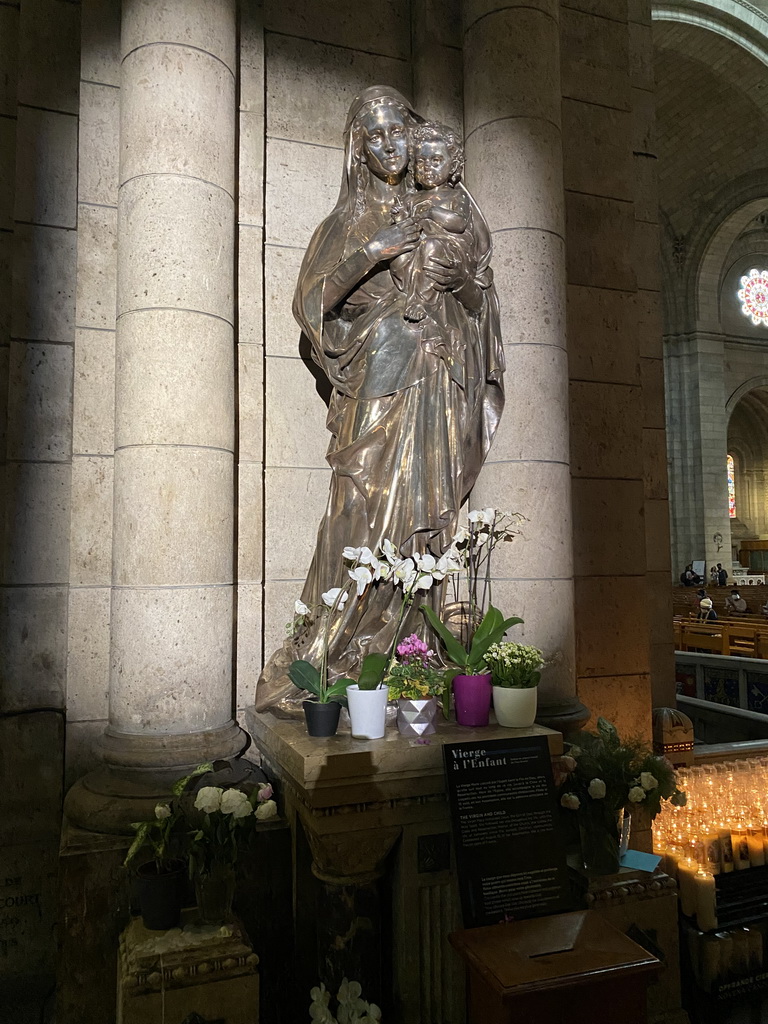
(161,894)
(322,719)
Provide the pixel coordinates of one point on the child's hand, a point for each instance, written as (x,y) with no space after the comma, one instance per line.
(399,210)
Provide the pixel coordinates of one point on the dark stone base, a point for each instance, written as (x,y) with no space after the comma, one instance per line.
(565,714)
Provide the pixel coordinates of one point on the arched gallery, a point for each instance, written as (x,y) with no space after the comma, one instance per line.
(220,253)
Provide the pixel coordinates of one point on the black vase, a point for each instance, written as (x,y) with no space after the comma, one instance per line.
(161,894)
(322,719)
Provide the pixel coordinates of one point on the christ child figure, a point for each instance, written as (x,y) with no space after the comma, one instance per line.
(441,207)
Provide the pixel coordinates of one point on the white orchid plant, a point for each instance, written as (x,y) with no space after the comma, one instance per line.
(366,568)
(352,1008)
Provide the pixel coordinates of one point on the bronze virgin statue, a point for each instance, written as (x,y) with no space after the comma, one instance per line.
(397,299)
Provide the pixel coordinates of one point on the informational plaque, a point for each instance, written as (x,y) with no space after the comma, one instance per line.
(509,852)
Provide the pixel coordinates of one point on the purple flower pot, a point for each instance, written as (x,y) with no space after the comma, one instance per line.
(472,697)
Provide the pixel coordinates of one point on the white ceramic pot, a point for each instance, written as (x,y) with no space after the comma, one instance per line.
(515,707)
(367,712)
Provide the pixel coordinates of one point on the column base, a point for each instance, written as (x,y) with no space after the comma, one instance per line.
(139,771)
(565,714)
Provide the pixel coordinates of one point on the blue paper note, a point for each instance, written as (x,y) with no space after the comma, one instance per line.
(640,861)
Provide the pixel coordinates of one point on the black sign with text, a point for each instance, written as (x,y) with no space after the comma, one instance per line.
(509,853)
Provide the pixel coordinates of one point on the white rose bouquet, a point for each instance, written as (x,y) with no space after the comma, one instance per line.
(222,820)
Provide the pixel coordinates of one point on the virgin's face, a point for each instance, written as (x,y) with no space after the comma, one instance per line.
(385,143)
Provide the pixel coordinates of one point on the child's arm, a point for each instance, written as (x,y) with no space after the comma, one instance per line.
(449,219)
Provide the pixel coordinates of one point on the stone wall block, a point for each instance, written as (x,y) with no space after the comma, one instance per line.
(31,757)
(173,516)
(93,427)
(526,268)
(536,377)
(380,28)
(250,408)
(43,283)
(185,98)
(600,235)
(180,638)
(538,490)
(9,59)
(250,523)
(40,402)
(602,335)
(88,654)
(652,372)
(281,272)
(639,11)
(646,188)
(595,55)
(37,526)
(659,601)
(100,42)
(310,86)
(251,54)
(643,121)
(606,430)
(657,548)
(46,168)
(6,277)
(475,10)
(519,47)
(32,624)
(90,553)
(608,530)
(4,361)
(99,144)
(295,424)
(302,496)
(647,313)
(7,171)
(96,267)
(250,288)
(49,48)
(181,232)
(165,364)
(641,69)
(597,158)
(663,675)
(82,755)
(279,598)
(546,607)
(624,700)
(655,465)
(204,25)
(438,92)
(250,191)
(249,653)
(647,256)
(527,152)
(302,188)
(612,626)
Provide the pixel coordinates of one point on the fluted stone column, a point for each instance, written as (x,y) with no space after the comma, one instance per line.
(512,101)
(170,702)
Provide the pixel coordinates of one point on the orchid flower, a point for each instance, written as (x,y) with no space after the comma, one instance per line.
(330,597)
(362,576)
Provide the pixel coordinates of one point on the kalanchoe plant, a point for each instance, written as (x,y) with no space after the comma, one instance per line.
(471,660)
(512,665)
(414,673)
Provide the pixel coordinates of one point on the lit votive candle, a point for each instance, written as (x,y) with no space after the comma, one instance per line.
(706,900)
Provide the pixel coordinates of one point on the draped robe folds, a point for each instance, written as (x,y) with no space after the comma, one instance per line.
(410,423)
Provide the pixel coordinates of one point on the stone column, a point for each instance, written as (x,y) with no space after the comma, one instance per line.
(512,115)
(170,702)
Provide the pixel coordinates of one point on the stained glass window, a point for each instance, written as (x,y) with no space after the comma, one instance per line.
(753,296)
(731,489)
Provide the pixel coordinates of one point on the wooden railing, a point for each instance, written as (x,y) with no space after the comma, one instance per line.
(731,637)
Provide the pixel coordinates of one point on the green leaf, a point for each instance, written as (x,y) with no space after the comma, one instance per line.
(372,671)
(607,731)
(338,690)
(482,641)
(305,676)
(180,785)
(142,831)
(454,649)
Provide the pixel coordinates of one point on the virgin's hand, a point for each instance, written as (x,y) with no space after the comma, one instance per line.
(393,241)
(446,273)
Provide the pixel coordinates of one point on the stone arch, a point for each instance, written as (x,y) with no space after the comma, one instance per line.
(760,381)
(734,20)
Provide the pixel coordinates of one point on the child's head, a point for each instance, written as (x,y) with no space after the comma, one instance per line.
(437,155)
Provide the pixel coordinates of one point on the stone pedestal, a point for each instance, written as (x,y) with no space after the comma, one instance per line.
(206,970)
(375,895)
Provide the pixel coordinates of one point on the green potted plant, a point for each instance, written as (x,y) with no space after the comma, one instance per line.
(160,878)
(472,681)
(515,673)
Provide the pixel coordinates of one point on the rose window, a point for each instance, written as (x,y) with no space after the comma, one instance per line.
(753,296)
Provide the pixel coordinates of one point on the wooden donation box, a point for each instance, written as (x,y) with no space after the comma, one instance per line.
(563,969)
(196,973)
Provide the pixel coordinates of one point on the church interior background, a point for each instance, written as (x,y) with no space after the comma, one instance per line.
(162,435)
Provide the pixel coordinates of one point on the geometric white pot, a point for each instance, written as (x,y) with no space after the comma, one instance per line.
(515,707)
(367,711)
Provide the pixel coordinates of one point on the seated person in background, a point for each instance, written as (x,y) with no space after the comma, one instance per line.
(714,576)
(689,578)
(722,576)
(764,607)
(736,603)
(706,612)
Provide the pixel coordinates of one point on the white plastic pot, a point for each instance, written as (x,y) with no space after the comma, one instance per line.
(367,712)
(515,707)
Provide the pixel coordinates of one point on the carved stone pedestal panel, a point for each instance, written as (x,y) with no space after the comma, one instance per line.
(375,889)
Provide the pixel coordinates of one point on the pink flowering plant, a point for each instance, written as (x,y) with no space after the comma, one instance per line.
(414,673)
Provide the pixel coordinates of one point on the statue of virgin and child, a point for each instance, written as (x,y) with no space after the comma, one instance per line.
(396,297)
